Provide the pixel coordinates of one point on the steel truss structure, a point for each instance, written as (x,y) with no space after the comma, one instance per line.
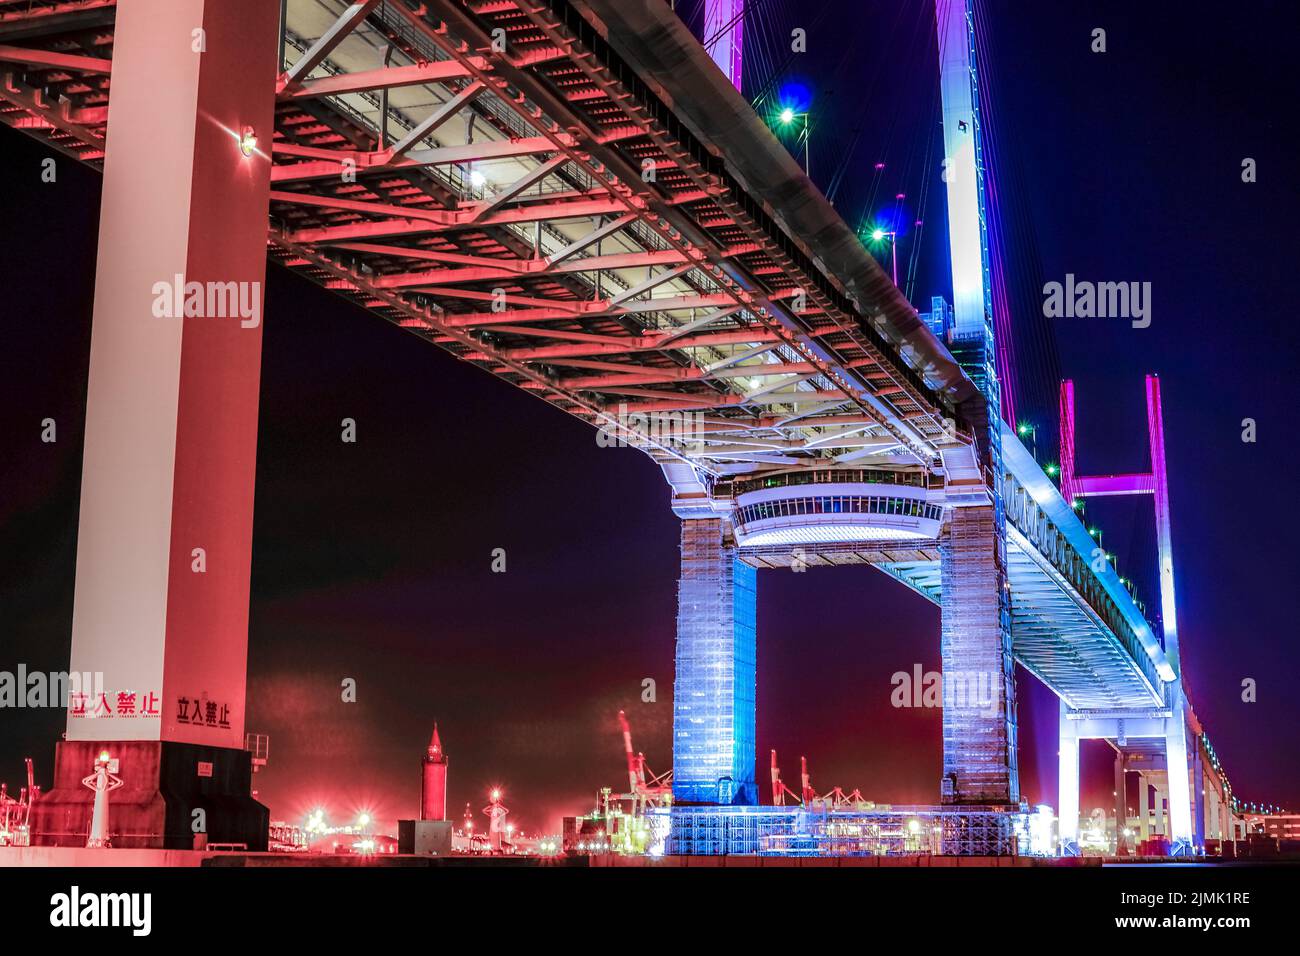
(497,178)
(492,177)
(822,830)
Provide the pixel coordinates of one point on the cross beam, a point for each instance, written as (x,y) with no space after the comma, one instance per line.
(1155,483)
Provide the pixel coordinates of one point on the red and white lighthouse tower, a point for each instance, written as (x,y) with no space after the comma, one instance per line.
(433,789)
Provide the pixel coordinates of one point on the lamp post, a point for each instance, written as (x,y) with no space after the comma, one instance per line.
(788,116)
(879,234)
(1026,430)
(102,781)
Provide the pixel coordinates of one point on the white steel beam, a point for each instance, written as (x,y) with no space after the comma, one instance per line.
(348,21)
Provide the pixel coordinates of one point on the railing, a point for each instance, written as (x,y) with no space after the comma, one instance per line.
(839,476)
(1027,512)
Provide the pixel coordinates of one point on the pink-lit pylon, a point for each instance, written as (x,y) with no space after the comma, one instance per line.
(724,22)
(1183,801)
(1155,483)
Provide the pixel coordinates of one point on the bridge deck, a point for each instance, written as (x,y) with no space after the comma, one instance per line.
(589,211)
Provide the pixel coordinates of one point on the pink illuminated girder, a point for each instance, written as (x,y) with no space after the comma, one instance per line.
(1155,483)
(723,23)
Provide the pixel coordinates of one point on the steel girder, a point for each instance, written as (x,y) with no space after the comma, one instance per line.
(546,183)
(574,228)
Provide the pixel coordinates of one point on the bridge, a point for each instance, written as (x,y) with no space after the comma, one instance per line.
(571,195)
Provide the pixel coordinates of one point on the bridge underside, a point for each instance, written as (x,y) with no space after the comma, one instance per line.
(568,195)
(498,180)
(1056,636)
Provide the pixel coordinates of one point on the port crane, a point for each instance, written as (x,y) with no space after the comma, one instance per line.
(645,789)
(835,798)
(15,815)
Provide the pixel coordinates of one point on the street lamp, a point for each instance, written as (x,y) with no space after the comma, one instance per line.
(1026,430)
(877,235)
(788,116)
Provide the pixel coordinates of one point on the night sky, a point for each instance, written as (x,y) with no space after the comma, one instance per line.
(373,560)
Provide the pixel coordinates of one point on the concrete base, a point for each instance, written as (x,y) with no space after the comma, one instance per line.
(164,784)
(60,857)
(424,837)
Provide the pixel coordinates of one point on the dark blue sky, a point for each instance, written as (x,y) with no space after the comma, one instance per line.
(372,560)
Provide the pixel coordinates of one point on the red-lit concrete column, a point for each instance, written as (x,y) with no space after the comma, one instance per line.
(163,553)
(160,613)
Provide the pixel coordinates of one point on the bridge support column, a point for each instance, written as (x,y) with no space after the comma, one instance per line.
(160,615)
(714,691)
(1198,796)
(1212,830)
(1181,839)
(1121,806)
(1068,785)
(979,709)
(1144,808)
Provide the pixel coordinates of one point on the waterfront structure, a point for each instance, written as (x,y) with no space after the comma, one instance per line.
(574,198)
(433,782)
